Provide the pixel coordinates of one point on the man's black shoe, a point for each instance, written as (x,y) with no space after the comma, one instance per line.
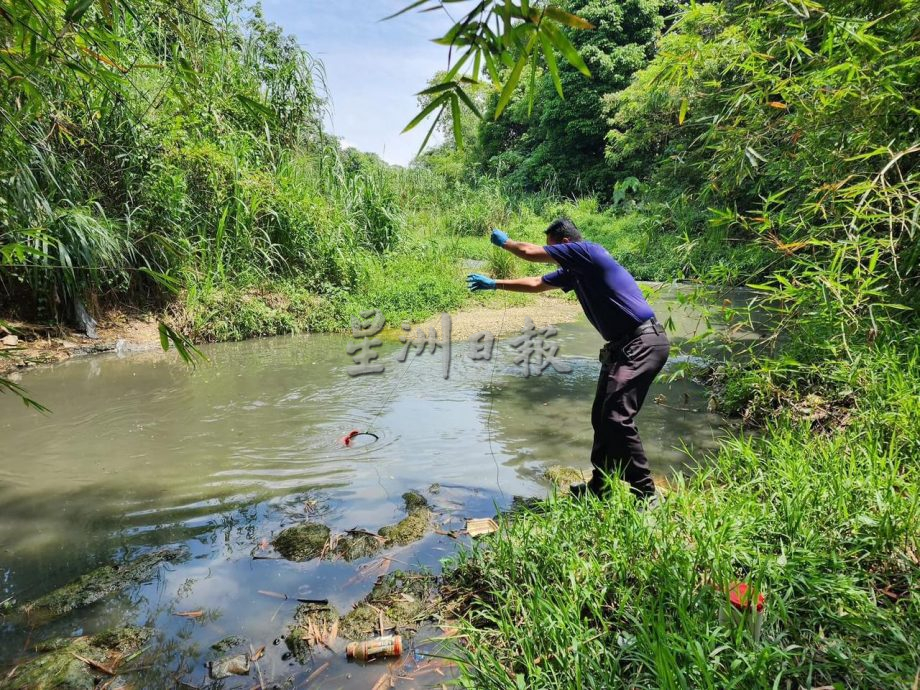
(579,490)
(596,486)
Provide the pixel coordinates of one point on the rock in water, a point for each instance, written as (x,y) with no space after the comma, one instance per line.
(231,666)
(99,583)
(405,598)
(303,542)
(563,477)
(86,322)
(58,668)
(412,527)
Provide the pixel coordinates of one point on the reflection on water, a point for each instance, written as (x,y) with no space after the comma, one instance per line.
(141,451)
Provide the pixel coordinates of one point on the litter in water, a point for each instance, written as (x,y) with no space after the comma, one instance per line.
(478,526)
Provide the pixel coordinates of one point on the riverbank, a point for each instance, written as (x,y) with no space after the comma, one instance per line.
(120,330)
(826,526)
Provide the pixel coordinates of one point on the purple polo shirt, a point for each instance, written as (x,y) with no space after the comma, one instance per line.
(612,300)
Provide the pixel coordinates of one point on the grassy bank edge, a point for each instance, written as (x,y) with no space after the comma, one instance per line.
(825,523)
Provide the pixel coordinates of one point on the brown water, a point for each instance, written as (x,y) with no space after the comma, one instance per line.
(141,451)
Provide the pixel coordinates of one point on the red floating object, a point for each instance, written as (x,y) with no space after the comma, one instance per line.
(740,597)
(347,439)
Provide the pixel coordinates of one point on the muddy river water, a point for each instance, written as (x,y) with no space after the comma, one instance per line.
(141,451)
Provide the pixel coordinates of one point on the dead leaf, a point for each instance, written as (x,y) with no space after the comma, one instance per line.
(382,682)
(276,595)
(190,614)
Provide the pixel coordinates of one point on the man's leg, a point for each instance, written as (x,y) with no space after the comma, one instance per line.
(599,447)
(618,449)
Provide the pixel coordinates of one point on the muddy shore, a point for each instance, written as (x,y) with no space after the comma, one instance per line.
(119,330)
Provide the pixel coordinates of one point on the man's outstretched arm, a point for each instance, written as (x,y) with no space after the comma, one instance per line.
(522,250)
(478,282)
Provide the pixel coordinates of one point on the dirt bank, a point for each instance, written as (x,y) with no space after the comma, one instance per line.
(507,322)
(34,343)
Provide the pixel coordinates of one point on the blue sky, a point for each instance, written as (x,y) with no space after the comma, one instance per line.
(373,68)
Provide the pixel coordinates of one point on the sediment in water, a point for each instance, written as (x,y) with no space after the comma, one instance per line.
(99,583)
(57,667)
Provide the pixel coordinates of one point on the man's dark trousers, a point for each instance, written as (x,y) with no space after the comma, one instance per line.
(627,372)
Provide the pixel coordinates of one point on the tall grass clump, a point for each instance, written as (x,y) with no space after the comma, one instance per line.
(589,594)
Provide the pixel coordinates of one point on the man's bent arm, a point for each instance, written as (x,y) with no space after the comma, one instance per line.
(531,284)
(528,252)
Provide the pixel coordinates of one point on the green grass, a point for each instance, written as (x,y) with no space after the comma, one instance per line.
(597,595)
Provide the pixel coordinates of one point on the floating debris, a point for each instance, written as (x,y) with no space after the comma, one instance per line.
(478,526)
(387,645)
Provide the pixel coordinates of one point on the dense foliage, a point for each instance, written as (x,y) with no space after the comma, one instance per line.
(171,139)
(792,126)
(555,142)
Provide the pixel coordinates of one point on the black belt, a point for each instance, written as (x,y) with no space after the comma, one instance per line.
(610,351)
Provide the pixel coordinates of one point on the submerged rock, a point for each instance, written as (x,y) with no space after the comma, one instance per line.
(303,542)
(414,501)
(405,600)
(356,544)
(231,666)
(412,527)
(58,667)
(228,643)
(100,582)
(563,477)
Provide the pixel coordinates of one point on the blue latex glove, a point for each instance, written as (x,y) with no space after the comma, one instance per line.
(499,238)
(477,281)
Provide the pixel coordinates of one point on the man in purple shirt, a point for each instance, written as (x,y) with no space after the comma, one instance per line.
(636,348)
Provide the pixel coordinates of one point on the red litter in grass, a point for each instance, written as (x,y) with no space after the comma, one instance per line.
(739,594)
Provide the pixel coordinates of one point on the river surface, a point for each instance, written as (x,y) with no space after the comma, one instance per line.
(141,451)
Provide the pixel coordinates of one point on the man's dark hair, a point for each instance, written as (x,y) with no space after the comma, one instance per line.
(563,229)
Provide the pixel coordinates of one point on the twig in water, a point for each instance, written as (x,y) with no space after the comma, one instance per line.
(316,674)
(255,656)
(94,664)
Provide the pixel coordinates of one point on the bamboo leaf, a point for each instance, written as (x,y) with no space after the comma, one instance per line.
(565,47)
(431,130)
(570,20)
(407,8)
(76,9)
(469,102)
(455,112)
(683,111)
(549,56)
(510,85)
(437,102)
